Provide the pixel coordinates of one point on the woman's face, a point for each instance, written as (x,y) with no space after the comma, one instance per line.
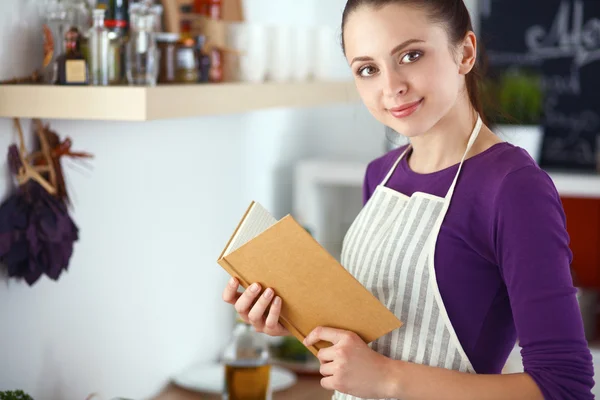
(403,66)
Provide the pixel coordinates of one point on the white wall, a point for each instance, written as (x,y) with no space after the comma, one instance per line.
(142,298)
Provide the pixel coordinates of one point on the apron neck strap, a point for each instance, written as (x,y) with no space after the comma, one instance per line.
(391,171)
(472,140)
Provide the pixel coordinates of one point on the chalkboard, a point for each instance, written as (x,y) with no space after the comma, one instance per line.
(561,40)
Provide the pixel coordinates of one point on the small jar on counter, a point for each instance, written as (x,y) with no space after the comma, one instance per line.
(187,63)
(167,46)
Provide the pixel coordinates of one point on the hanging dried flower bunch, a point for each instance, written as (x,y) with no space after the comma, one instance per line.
(36,232)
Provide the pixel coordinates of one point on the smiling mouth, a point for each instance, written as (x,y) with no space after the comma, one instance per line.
(405,110)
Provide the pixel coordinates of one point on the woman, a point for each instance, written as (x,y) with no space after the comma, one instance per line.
(462,235)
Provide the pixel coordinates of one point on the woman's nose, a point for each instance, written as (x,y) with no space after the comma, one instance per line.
(395,84)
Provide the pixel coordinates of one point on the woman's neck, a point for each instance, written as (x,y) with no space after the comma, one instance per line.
(444,144)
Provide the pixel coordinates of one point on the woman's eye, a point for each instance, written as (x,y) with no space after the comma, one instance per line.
(411,57)
(367,71)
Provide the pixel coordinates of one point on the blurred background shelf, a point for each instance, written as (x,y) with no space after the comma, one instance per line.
(124,103)
(325,172)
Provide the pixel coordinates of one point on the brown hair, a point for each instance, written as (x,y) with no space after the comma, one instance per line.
(453,16)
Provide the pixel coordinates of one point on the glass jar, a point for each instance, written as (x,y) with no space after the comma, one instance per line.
(187,70)
(167,46)
(142,56)
(247,365)
(157,10)
(98,47)
(55,19)
(78,14)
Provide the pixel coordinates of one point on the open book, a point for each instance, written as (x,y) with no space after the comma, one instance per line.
(315,288)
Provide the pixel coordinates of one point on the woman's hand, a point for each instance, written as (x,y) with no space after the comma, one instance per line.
(252,305)
(350,366)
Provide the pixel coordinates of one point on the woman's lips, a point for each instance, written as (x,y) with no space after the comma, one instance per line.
(406,109)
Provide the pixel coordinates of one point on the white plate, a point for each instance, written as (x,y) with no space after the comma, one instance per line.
(210,378)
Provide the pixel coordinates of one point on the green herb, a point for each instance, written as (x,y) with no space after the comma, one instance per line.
(516,98)
(15,395)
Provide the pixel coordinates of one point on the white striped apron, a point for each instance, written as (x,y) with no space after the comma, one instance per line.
(390,249)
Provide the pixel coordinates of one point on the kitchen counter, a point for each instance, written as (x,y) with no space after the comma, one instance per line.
(307,388)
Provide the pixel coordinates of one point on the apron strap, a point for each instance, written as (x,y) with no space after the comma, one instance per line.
(391,171)
(472,140)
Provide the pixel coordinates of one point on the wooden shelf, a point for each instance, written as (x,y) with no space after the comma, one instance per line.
(125,103)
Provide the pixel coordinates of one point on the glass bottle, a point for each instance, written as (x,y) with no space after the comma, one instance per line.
(142,57)
(167,45)
(116,59)
(203,59)
(78,14)
(185,23)
(157,10)
(98,50)
(101,5)
(187,70)
(247,365)
(201,7)
(55,19)
(215,11)
(71,65)
(117,22)
(118,16)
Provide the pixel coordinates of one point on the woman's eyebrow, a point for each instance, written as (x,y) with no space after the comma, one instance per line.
(395,50)
(402,45)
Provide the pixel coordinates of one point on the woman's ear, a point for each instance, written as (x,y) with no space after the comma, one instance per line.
(468,55)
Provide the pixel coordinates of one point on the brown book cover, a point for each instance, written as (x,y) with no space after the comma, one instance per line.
(315,288)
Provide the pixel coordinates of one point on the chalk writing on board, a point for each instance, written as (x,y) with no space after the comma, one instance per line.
(561,50)
(582,43)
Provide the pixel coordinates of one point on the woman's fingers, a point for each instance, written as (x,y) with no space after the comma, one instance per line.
(245,301)
(256,316)
(252,306)
(272,325)
(230,293)
(327,369)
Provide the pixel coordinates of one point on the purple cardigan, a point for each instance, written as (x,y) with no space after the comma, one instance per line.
(503,266)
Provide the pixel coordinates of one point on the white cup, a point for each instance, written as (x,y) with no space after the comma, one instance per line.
(302,44)
(250,40)
(280,54)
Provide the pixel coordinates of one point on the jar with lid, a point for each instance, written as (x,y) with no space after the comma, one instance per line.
(167,47)
(187,70)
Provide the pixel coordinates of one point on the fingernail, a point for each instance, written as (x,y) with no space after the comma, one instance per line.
(232,282)
(254,287)
(268,293)
(277,301)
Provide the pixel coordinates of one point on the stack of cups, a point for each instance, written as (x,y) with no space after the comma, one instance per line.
(284,54)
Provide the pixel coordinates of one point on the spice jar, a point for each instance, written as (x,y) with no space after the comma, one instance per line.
(187,63)
(167,46)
